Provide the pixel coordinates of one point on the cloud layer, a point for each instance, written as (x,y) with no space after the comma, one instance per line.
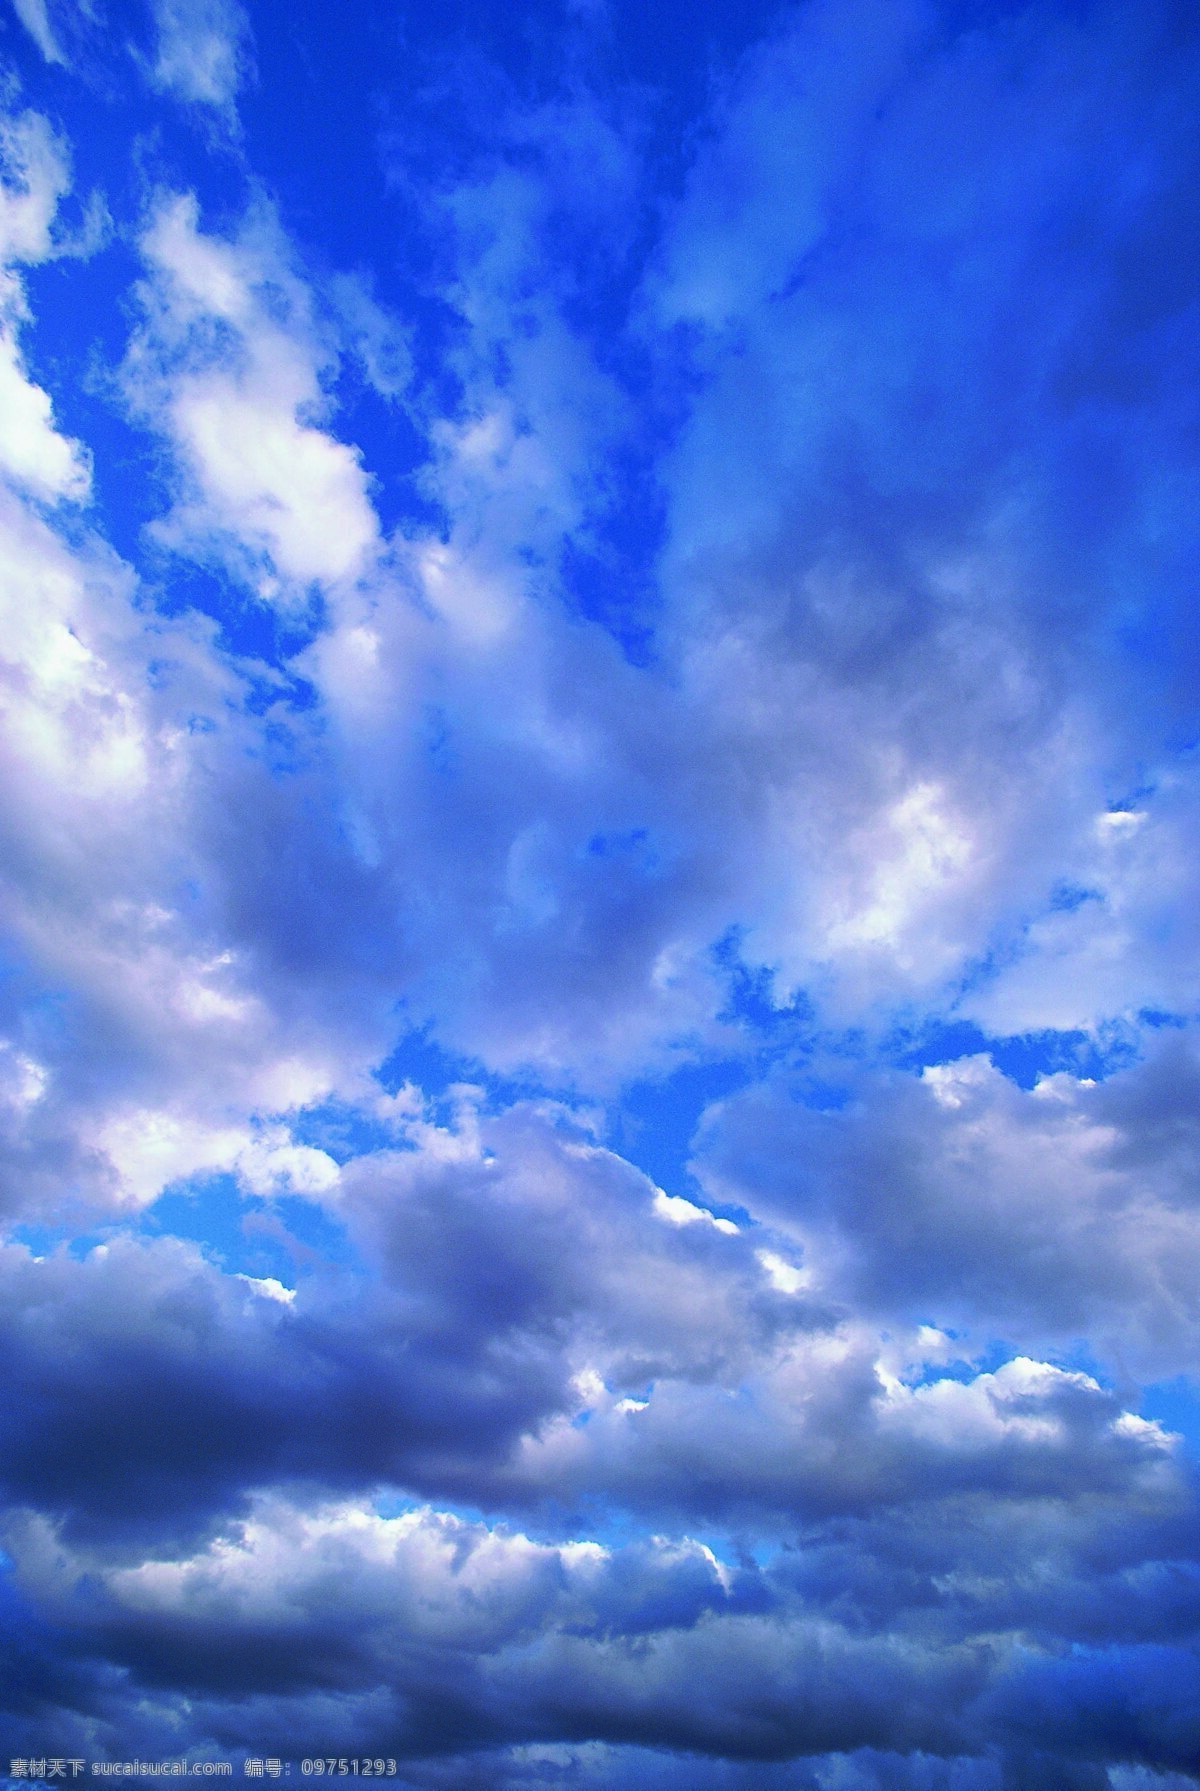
(598,1054)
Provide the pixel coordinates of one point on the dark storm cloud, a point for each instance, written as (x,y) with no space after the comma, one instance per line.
(146,1392)
(535,1326)
(425,1635)
(146,1388)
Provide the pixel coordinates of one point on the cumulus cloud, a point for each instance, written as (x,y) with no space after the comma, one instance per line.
(1058,1212)
(479,1635)
(121,731)
(533,1335)
(111,721)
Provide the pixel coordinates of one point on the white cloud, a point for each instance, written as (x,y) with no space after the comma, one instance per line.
(203,50)
(280,496)
(1021,1400)
(150,1151)
(35,17)
(914,855)
(36,175)
(22,1078)
(33,177)
(273,1162)
(268,1288)
(1126,941)
(678,1211)
(376,336)
(32,452)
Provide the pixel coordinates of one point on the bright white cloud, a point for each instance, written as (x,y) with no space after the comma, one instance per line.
(33,177)
(286,501)
(32,452)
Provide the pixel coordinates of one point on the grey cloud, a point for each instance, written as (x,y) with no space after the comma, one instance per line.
(148,1392)
(532,1228)
(961,1199)
(532,1335)
(428,1636)
(154,1394)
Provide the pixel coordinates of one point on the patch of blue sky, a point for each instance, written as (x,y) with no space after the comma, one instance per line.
(1067,898)
(390,1503)
(1158,1019)
(49,1018)
(47,1240)
(1024,1057)
(392,447)
(19,984)
(1175,1404)
(247,628)
(343,1130)
(79,336)
(610,580)
(283,1237)
(631,844)
(419,1057)
(750,996)
(343,151)
(654,1124)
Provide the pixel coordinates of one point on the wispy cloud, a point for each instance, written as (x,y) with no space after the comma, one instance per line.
(203,50)
(35,17)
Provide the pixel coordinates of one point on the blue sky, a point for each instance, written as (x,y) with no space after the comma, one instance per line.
(599,975)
